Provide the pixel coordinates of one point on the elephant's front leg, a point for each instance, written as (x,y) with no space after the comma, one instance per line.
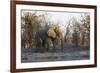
(54,45)
(49,44)
(62,44)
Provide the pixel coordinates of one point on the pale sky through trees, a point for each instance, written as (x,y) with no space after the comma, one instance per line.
(58,17)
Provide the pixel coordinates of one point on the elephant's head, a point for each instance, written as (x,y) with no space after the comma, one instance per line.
(54,32)
(55,35)
(51,33)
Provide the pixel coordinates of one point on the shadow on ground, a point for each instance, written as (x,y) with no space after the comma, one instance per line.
(65,54)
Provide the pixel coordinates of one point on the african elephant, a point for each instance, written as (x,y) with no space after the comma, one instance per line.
(49,37)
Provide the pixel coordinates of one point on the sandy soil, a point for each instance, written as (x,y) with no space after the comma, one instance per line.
(68,54)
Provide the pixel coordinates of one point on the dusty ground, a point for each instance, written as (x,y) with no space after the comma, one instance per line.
(31,55)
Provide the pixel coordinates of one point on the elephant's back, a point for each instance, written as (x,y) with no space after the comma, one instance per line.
(42,33)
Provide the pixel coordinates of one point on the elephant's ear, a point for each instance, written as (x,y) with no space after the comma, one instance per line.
(51,33)
(57,30)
